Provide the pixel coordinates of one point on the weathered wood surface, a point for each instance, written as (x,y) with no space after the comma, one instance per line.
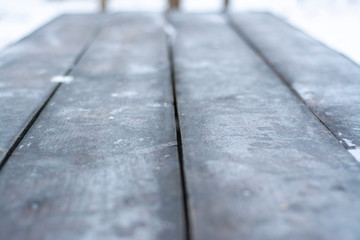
(259,164)
(101,161)
(26,70)
(327,81)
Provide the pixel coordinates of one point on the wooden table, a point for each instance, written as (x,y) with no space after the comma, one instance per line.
(190,126)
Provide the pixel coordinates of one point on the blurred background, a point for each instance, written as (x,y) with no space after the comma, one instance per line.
(334,22)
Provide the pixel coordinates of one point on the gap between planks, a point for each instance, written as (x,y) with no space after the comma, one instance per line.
(258,52)
(47,100)
(187,225)
(171,35)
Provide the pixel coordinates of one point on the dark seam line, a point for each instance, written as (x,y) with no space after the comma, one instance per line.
(27,127)
(186,209)
(243,36)
(38,112)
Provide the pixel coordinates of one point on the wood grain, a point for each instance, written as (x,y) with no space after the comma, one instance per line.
(27,68)
(101,160)
(259,164)
(327,81)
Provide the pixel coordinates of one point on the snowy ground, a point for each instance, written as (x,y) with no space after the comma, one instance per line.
(334,22)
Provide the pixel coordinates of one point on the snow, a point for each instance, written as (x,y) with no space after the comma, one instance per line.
(62,79)
(18,18)
(355,153)
(334,22)
(353,149)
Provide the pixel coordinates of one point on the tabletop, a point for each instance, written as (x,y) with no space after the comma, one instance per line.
(178,126)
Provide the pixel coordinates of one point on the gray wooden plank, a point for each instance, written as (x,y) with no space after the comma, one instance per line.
(101,160)
(327,81)
(259,164)
(26,70)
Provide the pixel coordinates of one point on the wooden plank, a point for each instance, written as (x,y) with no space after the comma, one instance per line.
(327,81)
(259,164)
(101,160)
(26,70)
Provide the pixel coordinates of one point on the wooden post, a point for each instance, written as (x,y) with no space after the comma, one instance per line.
(174,4)
(103,5)
(226,5)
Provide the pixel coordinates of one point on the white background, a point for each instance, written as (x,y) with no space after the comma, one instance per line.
(334,22)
